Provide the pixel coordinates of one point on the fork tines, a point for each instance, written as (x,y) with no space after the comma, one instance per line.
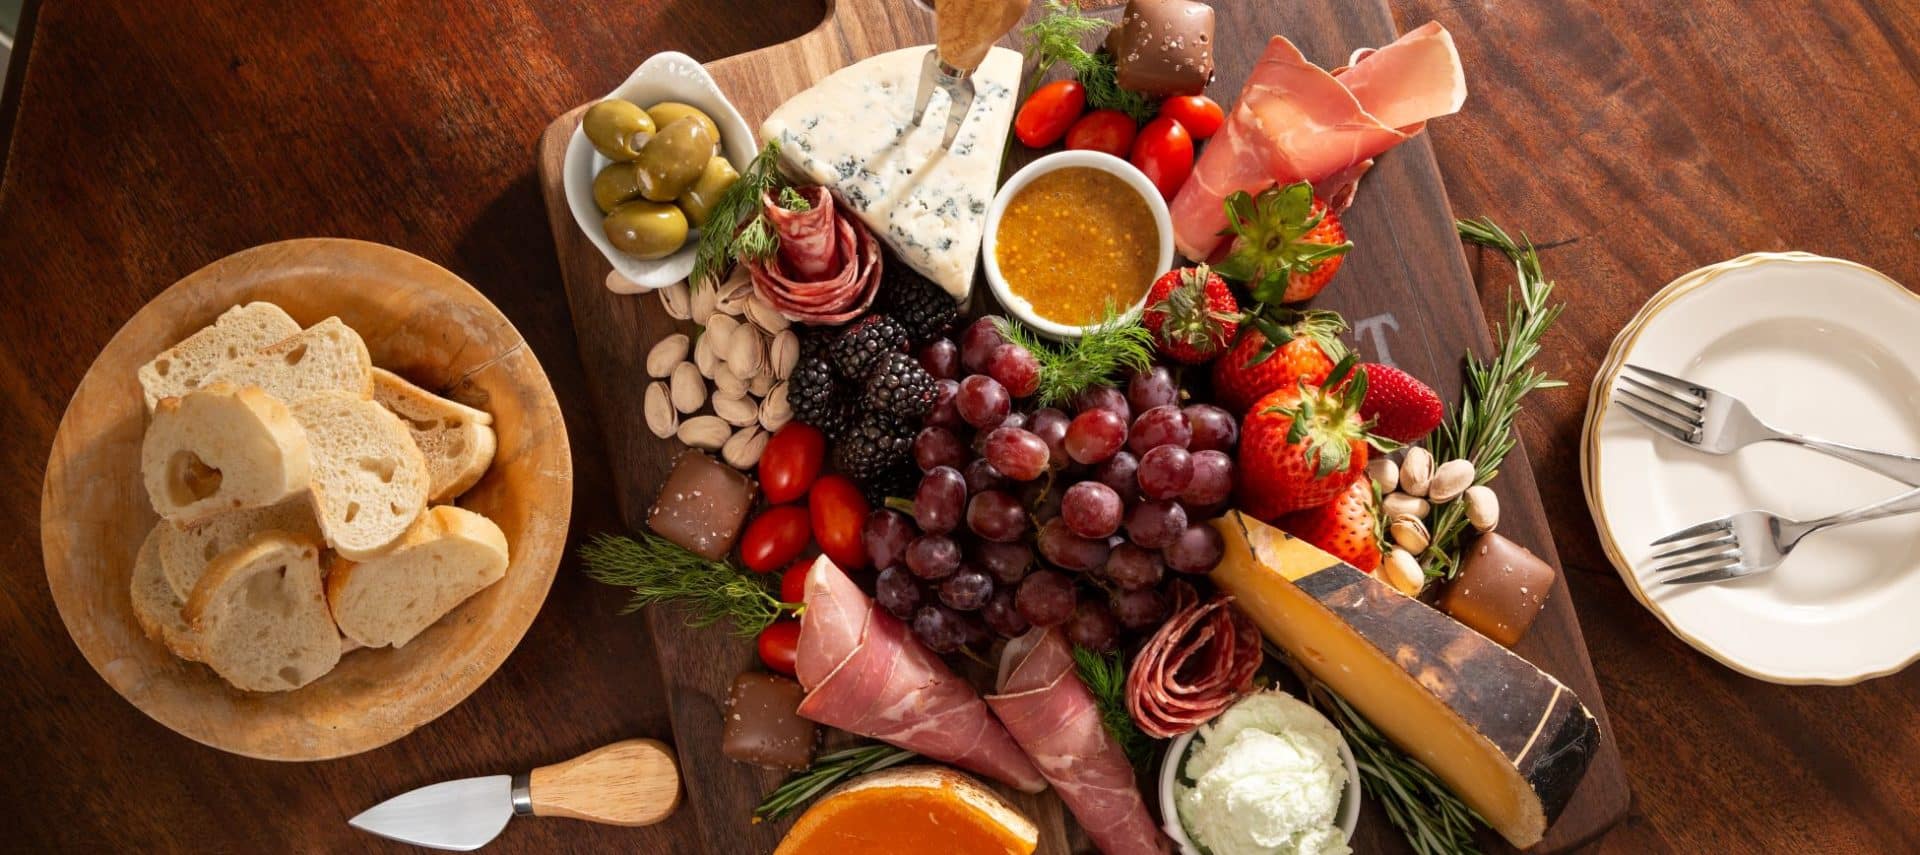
(1679,414)
(1719,551)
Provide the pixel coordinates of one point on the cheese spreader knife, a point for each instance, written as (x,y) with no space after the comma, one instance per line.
(964,30)
(633,782)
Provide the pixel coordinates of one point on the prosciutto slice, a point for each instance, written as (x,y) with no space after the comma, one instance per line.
(1295,121)
(865,674)
(1054,718)
(828,267)
(1193,668)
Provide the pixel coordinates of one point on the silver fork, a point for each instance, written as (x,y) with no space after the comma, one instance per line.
(1718,423)
(1755,541)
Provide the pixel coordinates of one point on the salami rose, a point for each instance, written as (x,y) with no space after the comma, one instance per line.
(1201,661)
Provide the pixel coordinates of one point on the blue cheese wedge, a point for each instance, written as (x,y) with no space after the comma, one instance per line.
(854,133)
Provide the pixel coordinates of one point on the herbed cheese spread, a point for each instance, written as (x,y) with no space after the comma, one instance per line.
(1266,776)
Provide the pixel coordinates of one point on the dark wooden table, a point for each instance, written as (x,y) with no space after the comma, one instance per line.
(143,140)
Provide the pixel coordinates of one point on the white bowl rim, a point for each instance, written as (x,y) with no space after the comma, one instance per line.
(1017,305)
(1349,814)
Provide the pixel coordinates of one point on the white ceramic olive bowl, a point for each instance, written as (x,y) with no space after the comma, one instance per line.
(1176,753)
(666,76)
(1018,305)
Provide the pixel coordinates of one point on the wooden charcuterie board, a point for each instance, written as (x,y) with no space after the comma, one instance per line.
(1406,288)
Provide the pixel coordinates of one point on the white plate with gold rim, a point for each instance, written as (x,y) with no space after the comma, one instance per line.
(1815,345)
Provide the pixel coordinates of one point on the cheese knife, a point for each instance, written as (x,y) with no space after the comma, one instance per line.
(964,30)
(633,782)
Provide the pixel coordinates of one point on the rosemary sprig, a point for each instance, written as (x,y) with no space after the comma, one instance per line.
(1433,819)
(1068,368)
(827,771)
(1056,38)
(1481,428)
(723,239)
(660,571)
(1106,677)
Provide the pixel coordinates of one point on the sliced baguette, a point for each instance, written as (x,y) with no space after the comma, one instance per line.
(449,555)
(239,332)
(221,448)
(155,606)
(369,481)
(186,552)
(326,357)
(259,615)
(456,439)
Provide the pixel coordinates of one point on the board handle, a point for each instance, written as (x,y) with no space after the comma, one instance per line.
(632,782)
(964,30)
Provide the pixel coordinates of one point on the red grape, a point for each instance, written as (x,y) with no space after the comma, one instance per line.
(941,358)
(1017,453)
(1015,368)
(996,515)
(1139,610)
(1156,427)
(1092,626)
(897,592)
(982,401)
(944,413)
(886,535)
(1102,397)
(1045,598)
(966,590)
(933,556)
(1015,419)
(1151,388)
(978,342)
(1152,524)
(939,628)
(1164,472)
(1005,562)
(1094,435)
(1213,429)
(1195,550)
(1120,473)
(1091,509)
(1050,425)
(1002,616)
(937,504)
(936,446)
(981,476)
(1212,479)
(1132,567)
(1068,551)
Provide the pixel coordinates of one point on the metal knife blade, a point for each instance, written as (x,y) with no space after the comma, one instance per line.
(461,815)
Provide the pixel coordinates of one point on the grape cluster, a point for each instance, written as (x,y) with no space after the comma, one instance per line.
(1046,516)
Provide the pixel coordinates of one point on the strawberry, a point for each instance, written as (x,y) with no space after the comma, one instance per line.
(1348,527)
(1401,407)
(1300,445)
(1280,350)
(1287,243)
(1192,314)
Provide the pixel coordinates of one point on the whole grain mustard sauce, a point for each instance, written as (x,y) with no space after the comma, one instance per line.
(1074,240)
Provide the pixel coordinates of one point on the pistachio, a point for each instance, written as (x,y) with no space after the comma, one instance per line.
(667,353)
(1398,505)
(687,389)
(1403,572)
(775,412)
(700,303)
(1450,480)
(746,353)
(765,316)
(661,417)
(736,409)
(705,432)
(725,382)
(703,356)
(743,450)
(720,329)
(1416,471)
(784,353)
(677,301)
(1384,473)
(1483,507)
(733,295)
(1410,533)
(760,385)
(619,284)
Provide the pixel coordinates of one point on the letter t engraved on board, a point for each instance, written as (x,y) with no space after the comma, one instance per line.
(1376,328)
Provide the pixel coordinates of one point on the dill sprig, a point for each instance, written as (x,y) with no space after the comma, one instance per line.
(1481,428)
(1056,38)
(1433,819)
(827,771)
(723,239)
(1069,367)
(1106,677)
(660,571)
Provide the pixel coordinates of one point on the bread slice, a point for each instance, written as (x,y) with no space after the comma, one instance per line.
(456,439)
(155,606)
(259,615)
(326,357)
(221,448)
(449,555)
(186,552)
(369,481)
(239,331)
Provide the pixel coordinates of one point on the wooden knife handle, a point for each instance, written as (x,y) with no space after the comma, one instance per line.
(965,30)
(633,782)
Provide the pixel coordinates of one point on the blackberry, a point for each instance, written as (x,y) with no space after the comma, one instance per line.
(897,385)
(817,398)
(896,481)
(926,310)
(857,347)
(877,444)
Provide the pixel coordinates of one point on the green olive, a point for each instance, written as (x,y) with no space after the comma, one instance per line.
(618,129)
(648,230)
(673,159)
(700,198)
(667,112)
(617,183)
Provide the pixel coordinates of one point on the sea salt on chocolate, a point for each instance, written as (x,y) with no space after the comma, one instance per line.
(1500,590)
(1163,47)
(762,726)
(702,505)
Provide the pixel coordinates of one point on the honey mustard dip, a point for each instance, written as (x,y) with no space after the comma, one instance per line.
(1076,240)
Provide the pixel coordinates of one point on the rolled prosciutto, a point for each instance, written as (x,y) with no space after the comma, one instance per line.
(1054,718)
(865,673)
(1198,663)
(1295,121)
(827,269)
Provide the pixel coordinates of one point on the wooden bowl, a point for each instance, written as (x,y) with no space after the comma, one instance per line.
(420,321)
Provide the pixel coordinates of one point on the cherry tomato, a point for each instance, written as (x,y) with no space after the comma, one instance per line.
(793,582)
(779,645)
(1110,131)
(1164,151)
(791,461)
(1049,111)
(839,517)
(774,538)
(1200,115)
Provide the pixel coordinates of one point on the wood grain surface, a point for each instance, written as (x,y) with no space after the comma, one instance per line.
(1640,138)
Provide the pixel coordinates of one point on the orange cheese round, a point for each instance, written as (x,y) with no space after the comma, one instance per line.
(911,809)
